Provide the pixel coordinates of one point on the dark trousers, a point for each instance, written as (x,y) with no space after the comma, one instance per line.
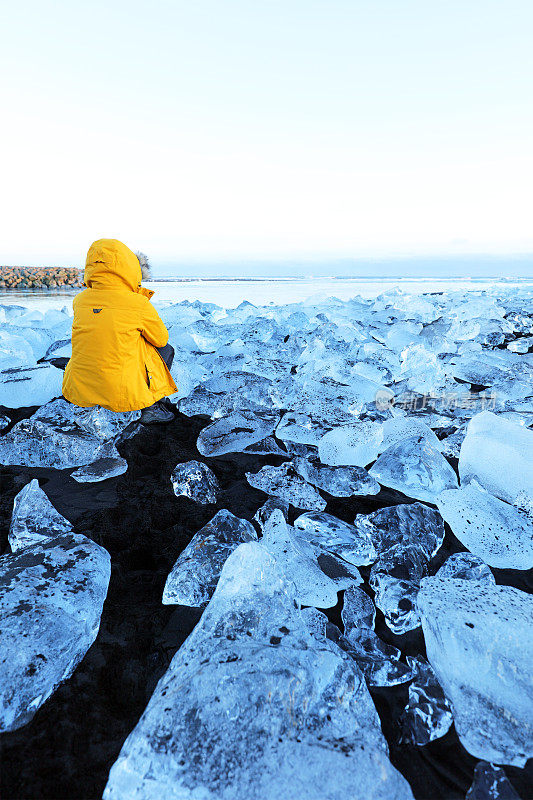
(167,354)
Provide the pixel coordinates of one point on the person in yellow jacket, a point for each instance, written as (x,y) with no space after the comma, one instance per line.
(120,352)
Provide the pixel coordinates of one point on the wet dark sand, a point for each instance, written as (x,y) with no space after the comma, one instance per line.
(70,745)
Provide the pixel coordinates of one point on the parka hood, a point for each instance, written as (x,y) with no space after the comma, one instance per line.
(112,265)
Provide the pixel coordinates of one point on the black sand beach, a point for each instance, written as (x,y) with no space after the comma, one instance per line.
(67,750)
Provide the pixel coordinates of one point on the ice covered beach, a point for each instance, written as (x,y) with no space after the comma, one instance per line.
(315,582)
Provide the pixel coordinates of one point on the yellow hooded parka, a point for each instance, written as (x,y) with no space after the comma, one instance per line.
(115,332)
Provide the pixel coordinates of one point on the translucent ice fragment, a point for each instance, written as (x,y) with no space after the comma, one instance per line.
(285,483)
(404,524)
(358,610)
(490,783)
(301,428)
(34,518)
(337,481)
(100,470)
(336,536)
(396,598)
(51,599)
(195,574)
(195,480)
(466,567)
(355,445)
(497,454)
(62,435)
(234,432)
(479,641)
(415,468)
(313,587)
(379,662)
(497,532)
(262,514)
(428,714)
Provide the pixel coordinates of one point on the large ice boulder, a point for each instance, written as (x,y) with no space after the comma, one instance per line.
(253,707)
(51,599)
(63,435)
(498,454)
(479,641)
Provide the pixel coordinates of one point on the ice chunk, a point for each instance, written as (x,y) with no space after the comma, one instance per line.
(194,576)
(428,714)
(101,470)
(398,428)
(34,518)
(415,468)
(466,567)
(497,453)
(406,536)
(4,422)
(404,524)
(234,432)
(490,783)
(356,445)
(497,532)
(301,428)
(479,641)
(337,481)
(51,599)
(29,386)
(313,587)
(396,598)
(63,435)
(333,535)
(358,610)
(252,706)
(285,483)
(379,662)
(316,622)
(195,480)
(521,345)
(262,514)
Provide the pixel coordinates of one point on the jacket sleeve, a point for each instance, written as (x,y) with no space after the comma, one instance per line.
(153,328)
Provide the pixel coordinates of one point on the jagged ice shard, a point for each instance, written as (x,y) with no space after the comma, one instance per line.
(479,641)
(333,535)
(284,482)
(195,574)
(497,454)
(51,599)
(34,518)
(337,481)
(497,532)
(428,714)
(491,783)
(252,707)
(416,468)
(406,536)
(313,587)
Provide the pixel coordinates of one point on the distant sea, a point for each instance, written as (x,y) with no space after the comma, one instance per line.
(229,292)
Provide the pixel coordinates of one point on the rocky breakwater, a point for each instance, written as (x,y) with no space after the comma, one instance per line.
(39,277)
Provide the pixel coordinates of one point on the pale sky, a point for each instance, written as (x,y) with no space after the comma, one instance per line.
(249,130)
